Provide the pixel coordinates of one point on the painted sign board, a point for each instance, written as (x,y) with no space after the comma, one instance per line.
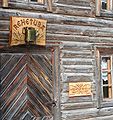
(27,30)
(79,89)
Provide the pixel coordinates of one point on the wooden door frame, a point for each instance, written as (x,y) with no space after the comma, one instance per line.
(57,110)
(56,68)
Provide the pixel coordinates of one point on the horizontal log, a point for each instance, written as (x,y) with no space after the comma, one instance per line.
(86,114)
(27,6)
(4,41)
(80,30)
(55,18)
(59,38)
(66,99)
(68,62)
(110,117)
(71,55)
(78,70)
(4,34)
(74,106)
(78,74)
(75,2)
(107,14)
(72,10)
(86,52)
(78,79)
(4,25)
(72,40)
(76,47)
(79,60)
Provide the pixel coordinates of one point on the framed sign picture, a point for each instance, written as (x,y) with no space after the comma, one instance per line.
(79,89)
(27,31)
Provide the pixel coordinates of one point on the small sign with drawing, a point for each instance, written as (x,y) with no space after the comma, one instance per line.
(79,89)
(27,31)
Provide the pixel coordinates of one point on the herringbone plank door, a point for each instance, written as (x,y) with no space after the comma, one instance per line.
(26,86)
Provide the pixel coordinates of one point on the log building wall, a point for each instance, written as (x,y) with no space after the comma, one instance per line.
(75,28)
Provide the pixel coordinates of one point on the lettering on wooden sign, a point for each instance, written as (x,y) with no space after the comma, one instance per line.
(79,89)
(27,31)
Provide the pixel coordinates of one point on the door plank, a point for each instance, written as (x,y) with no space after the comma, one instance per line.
(26,85)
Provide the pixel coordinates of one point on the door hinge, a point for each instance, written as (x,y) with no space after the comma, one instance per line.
(52,103)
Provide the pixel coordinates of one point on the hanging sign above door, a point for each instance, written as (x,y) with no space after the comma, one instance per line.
(27,31)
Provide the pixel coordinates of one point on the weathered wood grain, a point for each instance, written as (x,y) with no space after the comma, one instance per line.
(74,27)
(27,6)
(74,106)
(75,2)
(22,77)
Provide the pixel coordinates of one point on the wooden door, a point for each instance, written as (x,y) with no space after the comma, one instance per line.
(26,86)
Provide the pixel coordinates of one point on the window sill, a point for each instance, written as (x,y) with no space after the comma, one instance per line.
(107,103)
(36,3)
(108,100)
(106,13)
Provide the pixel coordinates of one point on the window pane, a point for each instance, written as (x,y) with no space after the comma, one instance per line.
(104,0)
(105,92)
(104,68)
(106,77)
(34,0)
(39,1)
(104,63)
(105,82)
(104,4)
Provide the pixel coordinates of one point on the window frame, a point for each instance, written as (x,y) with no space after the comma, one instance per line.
(99,9)
(4,3)
(47,5)
(109,77)
(42,3)
(107,102)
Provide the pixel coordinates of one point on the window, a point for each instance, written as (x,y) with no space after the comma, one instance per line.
(106,4)
(106,72)
(5,2)
(105,76)
(39,1)
(103,5)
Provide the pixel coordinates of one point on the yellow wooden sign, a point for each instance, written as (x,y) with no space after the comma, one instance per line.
(79,89)
(27,31)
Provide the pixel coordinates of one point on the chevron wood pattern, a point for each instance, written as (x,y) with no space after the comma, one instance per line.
(26,86)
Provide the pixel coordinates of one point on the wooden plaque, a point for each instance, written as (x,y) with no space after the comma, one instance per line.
(79,89)
(31,30)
